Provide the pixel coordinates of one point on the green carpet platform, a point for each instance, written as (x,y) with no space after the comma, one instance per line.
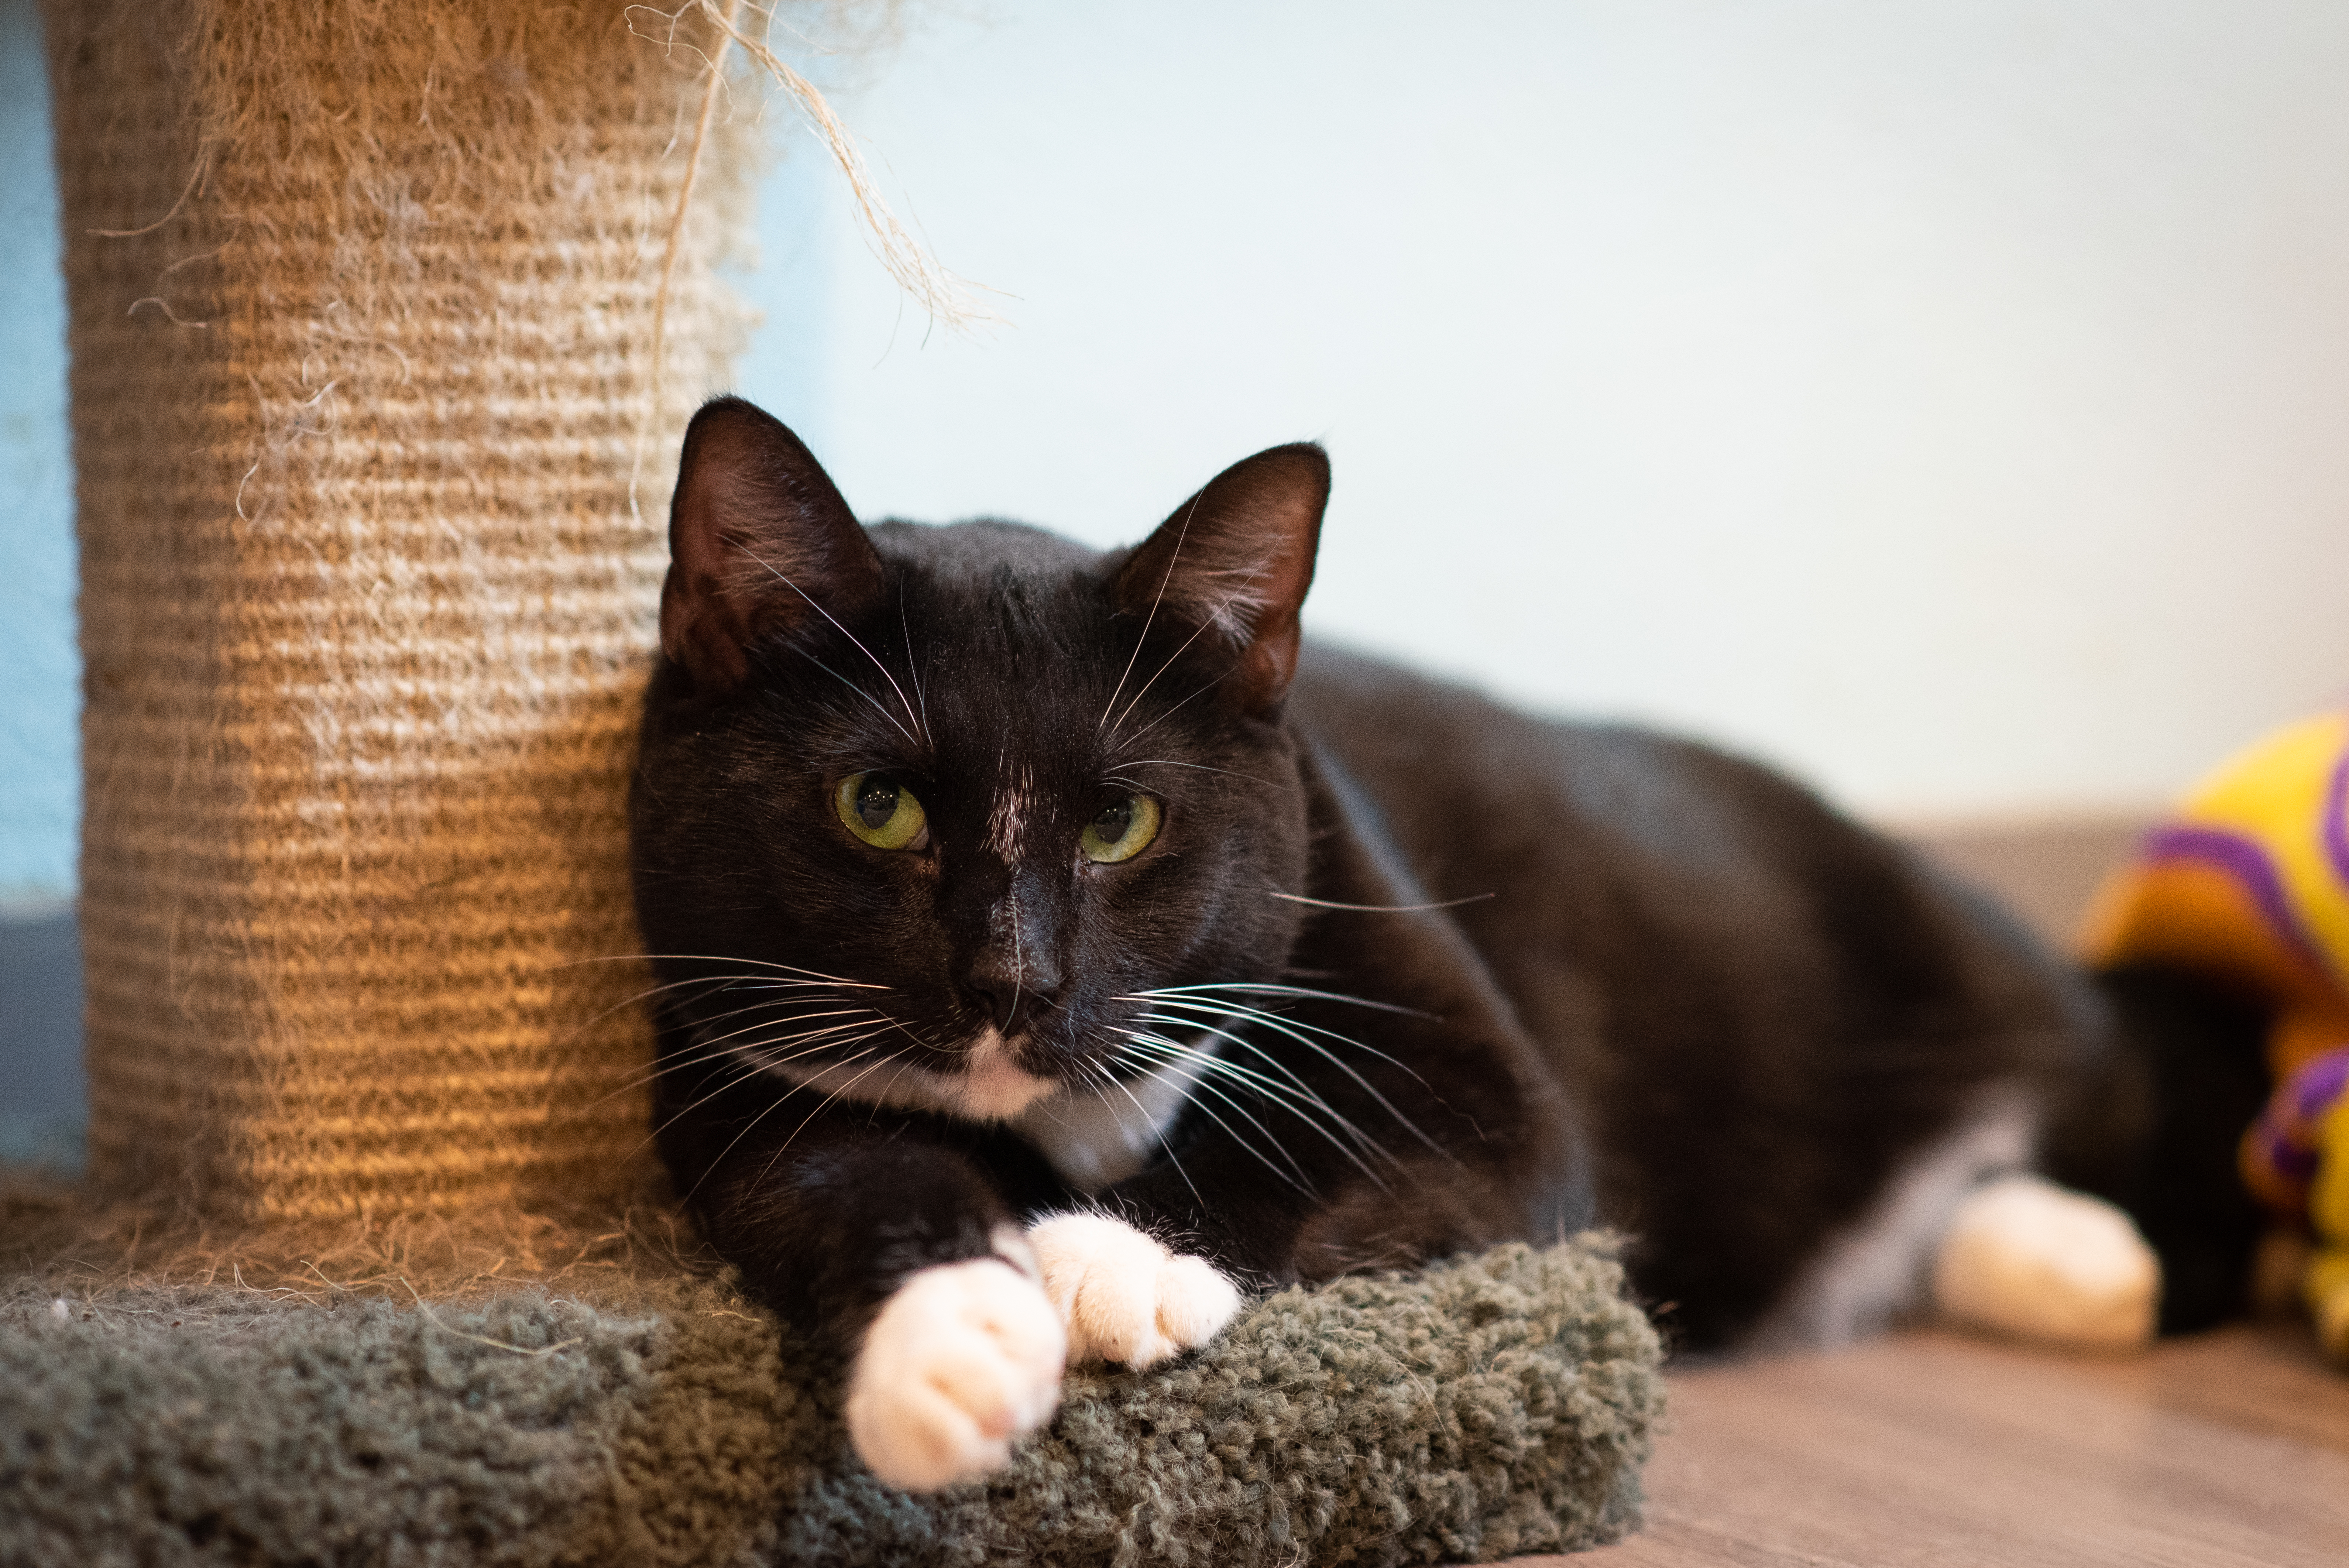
(1495,1405)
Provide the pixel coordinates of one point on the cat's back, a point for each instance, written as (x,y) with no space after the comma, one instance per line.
(1687,899)
(1482,799)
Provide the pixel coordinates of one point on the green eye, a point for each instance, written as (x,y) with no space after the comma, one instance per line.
(881,812)
(1123,830)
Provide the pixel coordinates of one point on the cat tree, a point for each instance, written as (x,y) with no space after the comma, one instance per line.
(384,318)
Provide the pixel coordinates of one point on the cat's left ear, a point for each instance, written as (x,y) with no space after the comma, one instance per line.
(1233,564)
(760,545)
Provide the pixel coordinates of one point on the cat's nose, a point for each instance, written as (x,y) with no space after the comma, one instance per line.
(1012,993)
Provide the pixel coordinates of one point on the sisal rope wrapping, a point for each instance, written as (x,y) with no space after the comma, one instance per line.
(366,606)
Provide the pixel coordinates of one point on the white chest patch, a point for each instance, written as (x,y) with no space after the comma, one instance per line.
(1092,1137)
(1096,1137)
(992,1089)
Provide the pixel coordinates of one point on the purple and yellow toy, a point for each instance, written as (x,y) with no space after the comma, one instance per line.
(2248,881)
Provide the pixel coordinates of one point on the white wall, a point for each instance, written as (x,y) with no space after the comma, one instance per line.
(1950,399)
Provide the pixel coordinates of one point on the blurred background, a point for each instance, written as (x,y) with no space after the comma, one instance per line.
(1945,400)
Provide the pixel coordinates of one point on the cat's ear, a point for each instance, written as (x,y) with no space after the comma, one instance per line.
(1233,564)
(760,543)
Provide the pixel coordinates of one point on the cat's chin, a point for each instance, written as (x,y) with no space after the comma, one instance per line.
(992,1086)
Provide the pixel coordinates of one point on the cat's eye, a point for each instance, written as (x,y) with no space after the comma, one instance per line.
(1121,830)
(883,812)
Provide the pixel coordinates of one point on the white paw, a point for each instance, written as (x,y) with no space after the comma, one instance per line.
(1123,1296)
(962,1359)
(2024,1257)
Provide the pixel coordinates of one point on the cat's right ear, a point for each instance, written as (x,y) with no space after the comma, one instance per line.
(761,545)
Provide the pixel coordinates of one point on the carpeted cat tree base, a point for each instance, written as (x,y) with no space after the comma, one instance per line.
(1491,1407)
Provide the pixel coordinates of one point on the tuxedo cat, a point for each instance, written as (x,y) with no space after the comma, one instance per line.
(1053,948)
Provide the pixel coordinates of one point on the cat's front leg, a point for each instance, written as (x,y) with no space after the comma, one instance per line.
(960,1359)
(1126,1296)
(2024,1257)
(894,1242)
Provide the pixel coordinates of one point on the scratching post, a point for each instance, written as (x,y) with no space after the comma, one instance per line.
(365,305)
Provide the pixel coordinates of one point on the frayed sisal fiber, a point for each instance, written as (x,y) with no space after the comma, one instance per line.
(358,380)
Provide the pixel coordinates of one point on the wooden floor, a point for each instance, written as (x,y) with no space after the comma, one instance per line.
(2229,1450)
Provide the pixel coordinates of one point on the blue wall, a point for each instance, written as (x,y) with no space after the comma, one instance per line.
(42,1096)
(40,777)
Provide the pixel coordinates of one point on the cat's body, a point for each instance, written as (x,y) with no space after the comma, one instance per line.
(1037,924)
(1717,965)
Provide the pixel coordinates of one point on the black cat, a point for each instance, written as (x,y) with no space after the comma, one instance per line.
(1052,946)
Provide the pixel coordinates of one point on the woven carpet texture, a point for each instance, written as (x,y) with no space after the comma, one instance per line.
(362,301)
(1494,1406)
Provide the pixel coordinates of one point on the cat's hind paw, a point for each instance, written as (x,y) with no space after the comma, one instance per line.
(960,1360)
(2024,1257)
(1123,1296)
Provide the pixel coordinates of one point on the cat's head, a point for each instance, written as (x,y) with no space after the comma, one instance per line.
(922,814)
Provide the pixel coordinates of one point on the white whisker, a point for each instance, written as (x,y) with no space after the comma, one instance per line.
(860,690)
(1095,1074)
(1215,620)
(1384,908)
(1303,1092)
(913,671)
(718,958)
(819,1110)
(732,1045)
(1297,1029)
(1300,1181)
(1203,767)
(750,1071)
(860,648)
(754,1121)
(1182,536)
(700,1043)
(706,1051)
(1136,737)
(741,1066)
(716,983)
(1166,1050)
(1273,987)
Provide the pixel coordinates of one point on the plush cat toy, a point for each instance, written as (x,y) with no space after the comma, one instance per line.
(2249,882)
